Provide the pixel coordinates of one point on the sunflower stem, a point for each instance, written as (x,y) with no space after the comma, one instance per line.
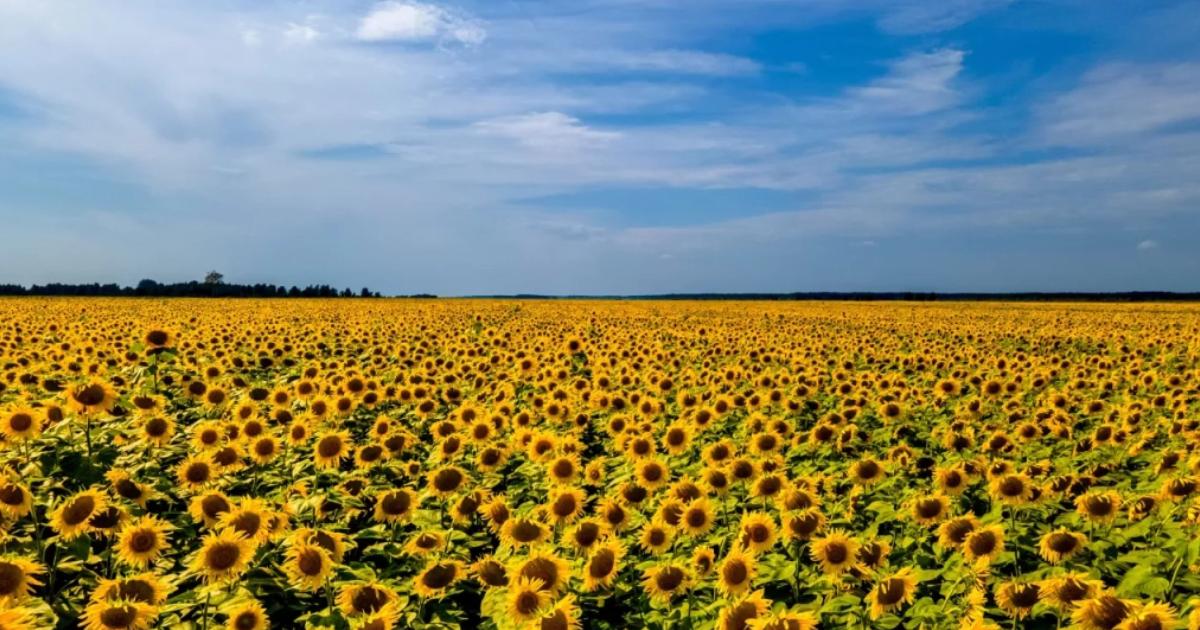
(204,612)
(1174,575)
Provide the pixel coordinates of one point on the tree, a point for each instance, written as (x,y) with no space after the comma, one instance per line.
(214,277)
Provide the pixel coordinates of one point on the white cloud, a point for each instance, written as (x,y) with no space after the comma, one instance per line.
(680,61)
(1145,245)
(547,130)
(300,34)
(919,83)
(250,37)
(1114,102)
(411,21)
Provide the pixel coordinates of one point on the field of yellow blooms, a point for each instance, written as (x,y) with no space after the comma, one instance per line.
(378,464)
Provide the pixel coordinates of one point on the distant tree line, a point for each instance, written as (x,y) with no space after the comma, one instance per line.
(152,288)
(907,296)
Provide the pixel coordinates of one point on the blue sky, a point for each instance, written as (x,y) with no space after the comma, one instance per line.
(603,146)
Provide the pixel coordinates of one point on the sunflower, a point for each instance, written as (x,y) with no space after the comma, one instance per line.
(930,510)
(614,514)
(396,506)
(15,499)
(953,532)
(586,534)
(155,338)
(71,519)
(126,488)
(94,396)
(736,572)
(21,423)
(836,552)
(757,532)
(141,542)
(299,432)
(146,588)
(867,471)
(1065,591)
(16,619)
(784,620)
(196,472)
(563,469)
(437,577)
(743,611)
(16,578)
(1017,599)
(564,615)
(246,615)
(1061,544)
(527,599)
(951,481)
(223,555)
(208,508)
(250,519)
(1153,616)
(120,614)
(490,572)
(446,480)
(602,565)
(703,561)
(364,598)
(108,522)
(331,449)
(652,474)
(804,524)
(158,430)
(552,570)
(892,592)
(565,505)
(873,555)
(665,581)
(1099,507)
(264,449)
(656,537)
(308,566)
(1011,489)
(1103,612)
(425,543)
(697,517)
(520,531)
(984,542)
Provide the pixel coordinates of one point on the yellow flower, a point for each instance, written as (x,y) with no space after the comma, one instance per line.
(836,552)
(527,599)
(16,578)
(308,566)
(892,592)
(141,542)
(1061,544)
(665,581)
(437,577)
(223,555)
(20,423)
(602,565)
(247,615)
(117,615)
(72,517)
(736,572)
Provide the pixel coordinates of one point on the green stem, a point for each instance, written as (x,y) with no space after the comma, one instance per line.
(204,614)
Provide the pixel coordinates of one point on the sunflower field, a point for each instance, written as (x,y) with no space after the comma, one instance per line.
(551,465)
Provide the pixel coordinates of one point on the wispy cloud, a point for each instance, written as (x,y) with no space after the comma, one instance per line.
(417,21)
(1145,245)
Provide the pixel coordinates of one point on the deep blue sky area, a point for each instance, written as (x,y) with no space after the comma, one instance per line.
(604,146)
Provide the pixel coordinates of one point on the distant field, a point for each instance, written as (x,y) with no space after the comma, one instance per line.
(370,464)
